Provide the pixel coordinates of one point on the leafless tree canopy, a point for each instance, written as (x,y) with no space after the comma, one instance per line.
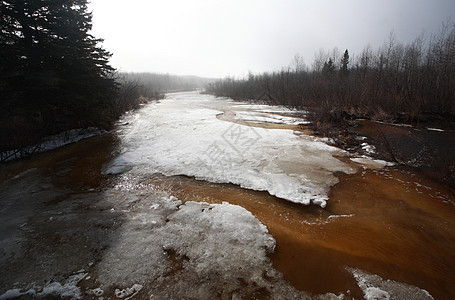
(394,82)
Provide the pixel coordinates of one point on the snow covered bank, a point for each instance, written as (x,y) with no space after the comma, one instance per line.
(52,142)
(182,136)
(260,117)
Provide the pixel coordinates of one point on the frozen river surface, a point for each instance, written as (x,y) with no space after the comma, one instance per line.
(183,136)
(198,197)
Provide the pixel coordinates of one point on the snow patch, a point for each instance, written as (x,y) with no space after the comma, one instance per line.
(369,162)
(53,289)
(370,149)
(340,216)
(261,117)
(435,129)
(128,293)
(96,292)
(374,287)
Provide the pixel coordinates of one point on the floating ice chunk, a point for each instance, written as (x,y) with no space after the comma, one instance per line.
(374,287)
(370,149)
(12,294)
(435,129)
(372,163)
(128,293)
(340,216)
(374,293)
(96,292)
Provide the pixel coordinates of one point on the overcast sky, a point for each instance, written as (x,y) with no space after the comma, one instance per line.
(218,38)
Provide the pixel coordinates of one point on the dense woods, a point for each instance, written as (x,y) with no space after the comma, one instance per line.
(396,82)
(54,76)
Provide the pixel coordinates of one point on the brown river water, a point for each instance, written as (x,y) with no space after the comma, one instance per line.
(391,222)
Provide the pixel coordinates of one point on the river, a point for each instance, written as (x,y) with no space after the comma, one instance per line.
(201,197)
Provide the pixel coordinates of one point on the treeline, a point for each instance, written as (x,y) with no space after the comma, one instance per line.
(156,83)
(397,82)
(55,76)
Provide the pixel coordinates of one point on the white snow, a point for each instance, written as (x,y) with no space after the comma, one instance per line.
(259,117)
(374,287)
(128,293)
(370,149)
(435,129)
(278,109)
(182,136)
(96,292)
(371,163)
(340,216)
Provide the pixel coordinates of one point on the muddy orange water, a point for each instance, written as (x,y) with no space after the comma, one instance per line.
(389,222)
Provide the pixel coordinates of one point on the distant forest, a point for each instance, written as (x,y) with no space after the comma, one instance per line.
(152,83)
(396,82)
(55,76)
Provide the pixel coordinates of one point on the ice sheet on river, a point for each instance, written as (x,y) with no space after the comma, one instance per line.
(182,136)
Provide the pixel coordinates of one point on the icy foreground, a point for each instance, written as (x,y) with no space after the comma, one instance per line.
(192,250)
(162,249)
(182,136)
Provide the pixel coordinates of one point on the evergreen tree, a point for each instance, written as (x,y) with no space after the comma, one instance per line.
(344,64)
(52,71)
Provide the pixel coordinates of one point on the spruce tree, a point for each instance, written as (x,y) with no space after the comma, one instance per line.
(344,64)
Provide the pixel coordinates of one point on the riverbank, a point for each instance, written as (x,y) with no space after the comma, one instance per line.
(426,147)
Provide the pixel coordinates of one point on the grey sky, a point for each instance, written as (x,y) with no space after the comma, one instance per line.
(219,38)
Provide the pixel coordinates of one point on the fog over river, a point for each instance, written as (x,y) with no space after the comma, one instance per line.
(199,197)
